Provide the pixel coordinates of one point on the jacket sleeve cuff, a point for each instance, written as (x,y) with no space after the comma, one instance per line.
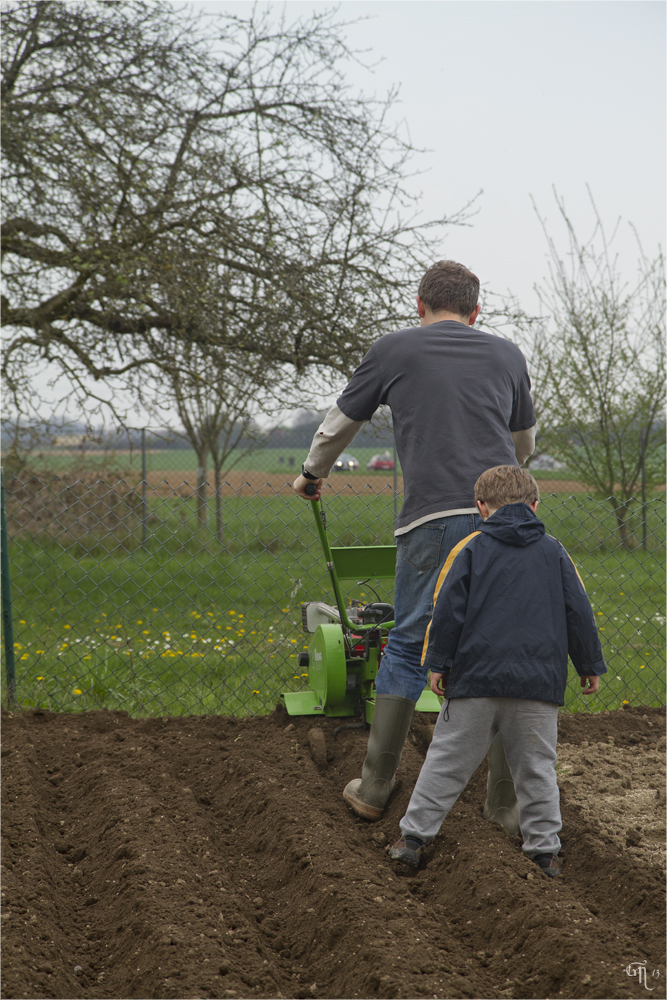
(437,663)
(592,669)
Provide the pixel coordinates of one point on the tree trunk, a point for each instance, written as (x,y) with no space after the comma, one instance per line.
(622,513)
(202,510)
(218,505)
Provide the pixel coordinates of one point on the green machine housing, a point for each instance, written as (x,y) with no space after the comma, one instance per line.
(346,643)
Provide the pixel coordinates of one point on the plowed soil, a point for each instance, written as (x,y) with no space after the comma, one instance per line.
(215,857)
(253,483)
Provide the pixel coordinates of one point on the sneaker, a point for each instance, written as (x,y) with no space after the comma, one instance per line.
(409,850)
(550,864)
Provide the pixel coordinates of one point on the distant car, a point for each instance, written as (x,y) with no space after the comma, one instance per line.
(346,463)
(543,461)
(381,462)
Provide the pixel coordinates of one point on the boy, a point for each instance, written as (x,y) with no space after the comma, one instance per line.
(509,607)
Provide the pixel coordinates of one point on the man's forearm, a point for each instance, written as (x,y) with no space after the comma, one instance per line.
(332,437)
(524,443)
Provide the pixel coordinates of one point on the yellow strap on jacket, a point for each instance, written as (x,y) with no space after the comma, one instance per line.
(441,579)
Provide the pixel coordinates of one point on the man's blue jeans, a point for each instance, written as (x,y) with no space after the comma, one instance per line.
(420,555)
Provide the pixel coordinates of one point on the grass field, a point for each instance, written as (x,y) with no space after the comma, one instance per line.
(188,626)
(269,460)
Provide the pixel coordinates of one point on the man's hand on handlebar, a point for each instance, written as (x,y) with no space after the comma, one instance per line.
(299,486)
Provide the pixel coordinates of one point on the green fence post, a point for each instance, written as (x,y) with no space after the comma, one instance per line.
(395,483)
(643,434)
(144,504)
(7,624)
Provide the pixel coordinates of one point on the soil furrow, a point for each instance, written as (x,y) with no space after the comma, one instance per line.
(212,857)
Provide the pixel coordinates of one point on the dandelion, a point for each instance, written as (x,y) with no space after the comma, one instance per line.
(25,656)
(255,692)
(21,622)
(77,691)
(140,621)
(40,678)
(296,677)
(599,612)
(145,632)
(642,666)
(294,640)
(304,675)
(625,703)
(67,626)
(39,650)
(284,610)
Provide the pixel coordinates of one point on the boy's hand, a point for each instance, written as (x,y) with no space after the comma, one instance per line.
(299,487)
(435,685)
(593,684)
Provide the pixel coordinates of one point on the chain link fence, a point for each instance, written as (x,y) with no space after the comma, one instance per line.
(164,599)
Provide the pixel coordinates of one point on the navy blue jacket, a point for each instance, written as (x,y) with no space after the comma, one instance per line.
(509,608)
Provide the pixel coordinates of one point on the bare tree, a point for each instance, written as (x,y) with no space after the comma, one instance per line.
(596,357)
(216,407)
(145,147)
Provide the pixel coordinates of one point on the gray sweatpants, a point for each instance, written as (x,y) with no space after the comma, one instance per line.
(463,734)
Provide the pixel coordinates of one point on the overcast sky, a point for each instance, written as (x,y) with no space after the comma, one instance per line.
(514,98)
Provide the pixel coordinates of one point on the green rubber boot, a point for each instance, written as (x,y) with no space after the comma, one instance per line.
(369,794)
(501,805)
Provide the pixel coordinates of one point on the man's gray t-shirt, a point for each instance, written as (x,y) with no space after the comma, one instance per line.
(455,394)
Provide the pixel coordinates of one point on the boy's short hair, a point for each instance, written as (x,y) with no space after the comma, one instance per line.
(505,484)
(449,287)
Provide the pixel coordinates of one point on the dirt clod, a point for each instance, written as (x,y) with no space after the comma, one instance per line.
(318,747)
(202,865)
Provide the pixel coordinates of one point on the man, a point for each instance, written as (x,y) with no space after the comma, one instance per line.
(460,404)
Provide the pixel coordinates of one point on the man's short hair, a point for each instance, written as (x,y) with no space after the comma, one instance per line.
(449,287)
(505,484)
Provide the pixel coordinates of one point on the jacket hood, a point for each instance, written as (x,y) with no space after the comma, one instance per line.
(514,524)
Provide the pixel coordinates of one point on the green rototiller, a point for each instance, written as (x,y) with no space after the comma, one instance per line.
(346,647)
